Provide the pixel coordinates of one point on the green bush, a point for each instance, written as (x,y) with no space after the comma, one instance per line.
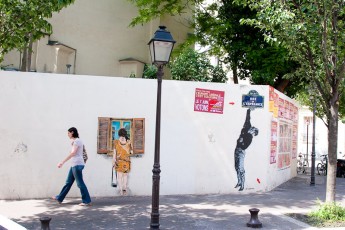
(150,72)
(328,212)
(190,65)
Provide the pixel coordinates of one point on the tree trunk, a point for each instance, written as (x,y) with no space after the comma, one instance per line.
(24,60)
(28,68)
(27,53)
(234,74)
(332,152)
(281,86)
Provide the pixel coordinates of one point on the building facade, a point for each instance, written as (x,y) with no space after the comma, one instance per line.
(94,38)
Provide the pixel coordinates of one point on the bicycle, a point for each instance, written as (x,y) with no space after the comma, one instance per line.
(322,167)
(302,165)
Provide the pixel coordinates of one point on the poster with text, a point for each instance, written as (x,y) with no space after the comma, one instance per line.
(210,101)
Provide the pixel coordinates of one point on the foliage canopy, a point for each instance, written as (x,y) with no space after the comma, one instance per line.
(25,20)
(193,66)
(238,46)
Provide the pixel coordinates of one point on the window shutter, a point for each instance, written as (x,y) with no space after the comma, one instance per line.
(138,135)
(103,135)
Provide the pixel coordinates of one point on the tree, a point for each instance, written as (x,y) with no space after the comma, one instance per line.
(150,9)
(240,46)
(189,65)
(25,21)
(313,32)
(193,66)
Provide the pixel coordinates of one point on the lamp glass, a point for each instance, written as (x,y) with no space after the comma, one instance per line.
(160,51)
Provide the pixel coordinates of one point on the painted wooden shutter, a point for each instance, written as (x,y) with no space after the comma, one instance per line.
(103,135)
(138,135)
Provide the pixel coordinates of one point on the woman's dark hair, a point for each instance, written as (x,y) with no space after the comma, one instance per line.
(123,133)
(74,132)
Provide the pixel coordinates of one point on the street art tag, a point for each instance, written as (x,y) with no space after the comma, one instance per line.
(252,100)
(210,101)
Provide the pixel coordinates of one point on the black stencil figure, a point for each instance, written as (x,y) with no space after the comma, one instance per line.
(245,139)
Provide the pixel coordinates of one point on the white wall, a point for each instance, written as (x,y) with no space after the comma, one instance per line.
(197,149)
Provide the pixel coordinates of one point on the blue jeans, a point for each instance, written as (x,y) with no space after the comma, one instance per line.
(75,173)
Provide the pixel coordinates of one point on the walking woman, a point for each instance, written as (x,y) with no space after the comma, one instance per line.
(76,170)
(121,159)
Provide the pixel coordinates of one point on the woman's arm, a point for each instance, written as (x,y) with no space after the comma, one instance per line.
(247,124)
(70,155)
(114,157)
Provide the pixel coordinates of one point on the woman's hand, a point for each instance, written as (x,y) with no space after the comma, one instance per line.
(60,165)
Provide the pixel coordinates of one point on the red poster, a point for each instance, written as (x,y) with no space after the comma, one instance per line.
(281,111)
(294,140)
(291,111)
(295,112)
(286,109)
(283,161)
(274,137)
(210,101)
(271,93)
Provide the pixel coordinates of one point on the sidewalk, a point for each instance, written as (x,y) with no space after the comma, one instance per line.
(190,212)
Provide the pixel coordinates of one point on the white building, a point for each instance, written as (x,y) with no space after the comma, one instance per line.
(305,125)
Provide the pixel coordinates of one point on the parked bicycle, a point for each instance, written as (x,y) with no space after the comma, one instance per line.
(302,164)
(322,167)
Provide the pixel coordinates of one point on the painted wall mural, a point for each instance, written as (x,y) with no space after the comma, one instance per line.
(245,139)
(108,132)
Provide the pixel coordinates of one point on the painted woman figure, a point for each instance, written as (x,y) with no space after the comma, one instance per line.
(121,159)
(245,139)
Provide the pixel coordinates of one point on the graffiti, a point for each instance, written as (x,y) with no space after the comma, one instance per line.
(245,139)
(21,148)
(211,137)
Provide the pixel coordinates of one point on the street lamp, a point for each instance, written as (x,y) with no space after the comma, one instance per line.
(161,46)
(312,172)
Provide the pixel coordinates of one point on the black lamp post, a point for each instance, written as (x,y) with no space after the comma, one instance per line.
(312,173)
(161,46)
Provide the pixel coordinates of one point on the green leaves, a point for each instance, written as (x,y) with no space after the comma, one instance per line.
(150,71)
(19,18)
(329,212)
(190,65)
(313,33)
(151,9)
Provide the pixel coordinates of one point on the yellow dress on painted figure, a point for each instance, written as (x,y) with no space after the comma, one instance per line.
(123,163)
